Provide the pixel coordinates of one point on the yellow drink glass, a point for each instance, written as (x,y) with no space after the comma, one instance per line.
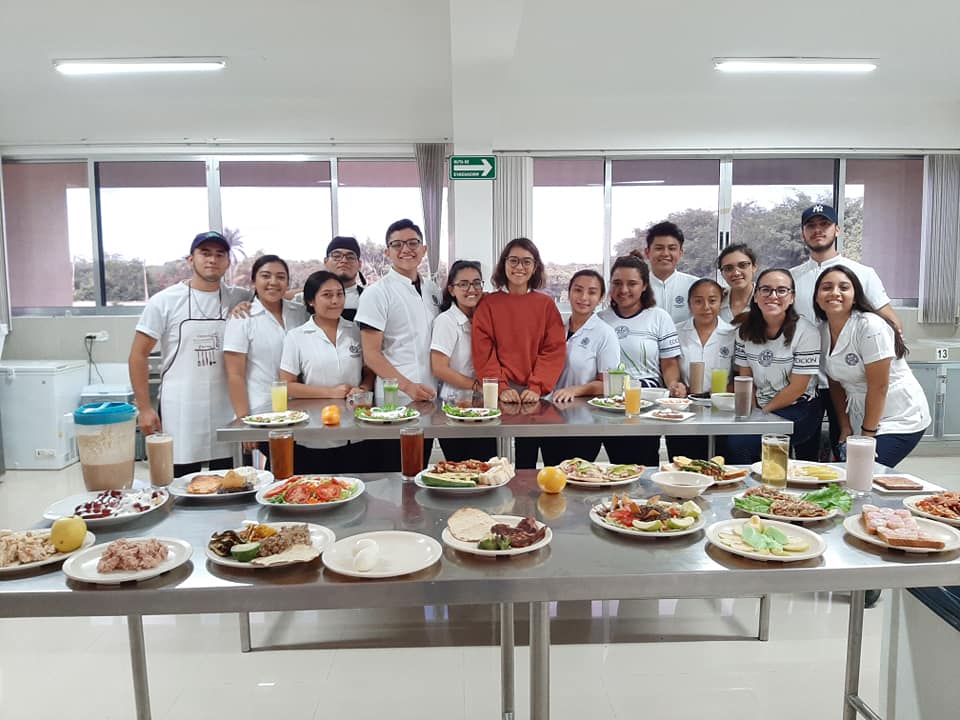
(631,397)
(718,380)
(278,396)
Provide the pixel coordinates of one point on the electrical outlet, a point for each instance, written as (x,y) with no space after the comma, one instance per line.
(100,336)
(44,452)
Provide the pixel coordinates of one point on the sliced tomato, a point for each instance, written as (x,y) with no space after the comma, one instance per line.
(278,490)
(299,494)
(345,484)
(328,492)
(622,516)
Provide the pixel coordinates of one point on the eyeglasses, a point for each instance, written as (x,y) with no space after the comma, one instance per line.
(514,261)
(767,291)
(409,244)
(741,266)
(467,284)
(343,257)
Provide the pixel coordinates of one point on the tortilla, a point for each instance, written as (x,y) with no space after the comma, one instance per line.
(470,524)
(294,553)
(204,484)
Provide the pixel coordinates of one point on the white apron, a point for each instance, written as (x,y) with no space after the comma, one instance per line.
(194,400)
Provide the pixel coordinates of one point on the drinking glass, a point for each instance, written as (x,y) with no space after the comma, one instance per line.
(411,452)
(696,377)
(491,393)
(632,396)
(391,393)
(743,397)
(774,459)
(160,458)
(278,396)
(281,453)
(861,452)
(718,380)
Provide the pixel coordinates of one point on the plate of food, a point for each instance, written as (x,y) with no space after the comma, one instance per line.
(675,403)
(649,518)
(265,545)
(614,403)
(766,540)
(813,506)
(943,507)
(583,473)
(382,554)
(475,532)
(276,419)
(668,414)
(715,467)
(900,530)
(903,483)
(804,472)
(108,507)
(27,549)
(377,414)
(127,560)
(466,477)
(220,484)
(470,414)
(310,492)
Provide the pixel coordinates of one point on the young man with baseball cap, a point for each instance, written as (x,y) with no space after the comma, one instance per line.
(670,286)
(818,223)
(188,320)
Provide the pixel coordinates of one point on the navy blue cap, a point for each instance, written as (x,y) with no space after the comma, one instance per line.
(343,242)
(818,210)
(212,236)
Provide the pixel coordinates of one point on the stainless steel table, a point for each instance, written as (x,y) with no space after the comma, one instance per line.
(582,563)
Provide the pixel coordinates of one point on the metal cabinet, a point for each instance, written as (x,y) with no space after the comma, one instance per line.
(941,384)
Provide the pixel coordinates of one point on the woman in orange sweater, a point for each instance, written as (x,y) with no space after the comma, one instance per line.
(518,335)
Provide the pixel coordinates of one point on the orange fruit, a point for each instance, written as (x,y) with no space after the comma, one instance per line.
(551,479)
(330,415)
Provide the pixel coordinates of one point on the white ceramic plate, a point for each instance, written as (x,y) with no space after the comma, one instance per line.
(717,482)
(83,565)
(911,504)
(456,490)
(927,487)
(476,415)
(675,403)
(450,541)
(401,553)
(261,493)
(817,544)
(951,538)
(597,520)
(276,419)
(88,540)
(178,488)
(588,484)
(413,414)
(321,538)
(618,407)
(794,479)
(784,518)
(652,415)
(65,508)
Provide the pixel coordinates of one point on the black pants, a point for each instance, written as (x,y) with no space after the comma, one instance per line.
(457,449)
(639,449)
(179,470)
(694,447)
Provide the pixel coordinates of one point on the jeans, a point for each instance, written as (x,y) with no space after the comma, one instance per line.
(807,416)
(891,448)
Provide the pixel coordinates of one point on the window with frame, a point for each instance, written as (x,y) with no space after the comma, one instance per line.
(568,219)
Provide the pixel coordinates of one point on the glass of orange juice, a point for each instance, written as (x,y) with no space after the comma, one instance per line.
(631,396)
(278,396)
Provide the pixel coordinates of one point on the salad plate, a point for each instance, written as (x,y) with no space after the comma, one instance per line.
(471,414)
(276,419)
(384,415)
(310,492)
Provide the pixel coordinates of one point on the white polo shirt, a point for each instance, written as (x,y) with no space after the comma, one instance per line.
(405,317)
(716,354)
(805,278)
(864,339)
(773,362)
(644,339)
(308,351)
(590,350)
(260,337)
(671,294)
(451,336)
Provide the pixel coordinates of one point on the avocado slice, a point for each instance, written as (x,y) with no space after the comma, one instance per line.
(652,526)
(436,480)
(680,523)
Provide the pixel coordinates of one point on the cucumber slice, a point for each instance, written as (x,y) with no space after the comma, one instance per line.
(245,552)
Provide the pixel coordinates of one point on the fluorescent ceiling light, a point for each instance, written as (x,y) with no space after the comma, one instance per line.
(115,66)
(793,65)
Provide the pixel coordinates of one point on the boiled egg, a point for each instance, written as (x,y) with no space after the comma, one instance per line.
(366,558)
(361,544)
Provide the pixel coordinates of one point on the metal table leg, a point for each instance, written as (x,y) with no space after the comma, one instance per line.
(851,683)
(138,666)
(506,660)
(237,454)
(245,641)
(505,447)
(711,446)
(763,631)
(539,661)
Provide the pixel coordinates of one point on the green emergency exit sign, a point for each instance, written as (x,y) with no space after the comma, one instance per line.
(473,167)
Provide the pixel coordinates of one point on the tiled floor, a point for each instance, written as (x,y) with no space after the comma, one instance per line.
(79,669)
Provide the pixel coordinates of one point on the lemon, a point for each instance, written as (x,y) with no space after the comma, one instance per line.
(551,479)
(68,533)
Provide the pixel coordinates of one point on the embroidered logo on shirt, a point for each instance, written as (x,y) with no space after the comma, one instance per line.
(851,359)
(354,350)
(724,351)
(584,342)
(678,300)
(765,358)
(622,331)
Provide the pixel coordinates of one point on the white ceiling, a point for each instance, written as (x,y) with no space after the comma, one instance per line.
(502,74)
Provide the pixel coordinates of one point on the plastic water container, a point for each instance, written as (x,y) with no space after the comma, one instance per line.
(105,438)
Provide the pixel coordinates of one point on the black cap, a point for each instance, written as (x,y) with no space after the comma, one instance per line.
(211,236)
(818,210)
(342,242)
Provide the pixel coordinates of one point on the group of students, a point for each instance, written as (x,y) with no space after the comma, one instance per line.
(821,336)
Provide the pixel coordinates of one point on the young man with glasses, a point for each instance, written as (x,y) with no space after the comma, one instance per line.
(670,286)
(820,230)
(344,260)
